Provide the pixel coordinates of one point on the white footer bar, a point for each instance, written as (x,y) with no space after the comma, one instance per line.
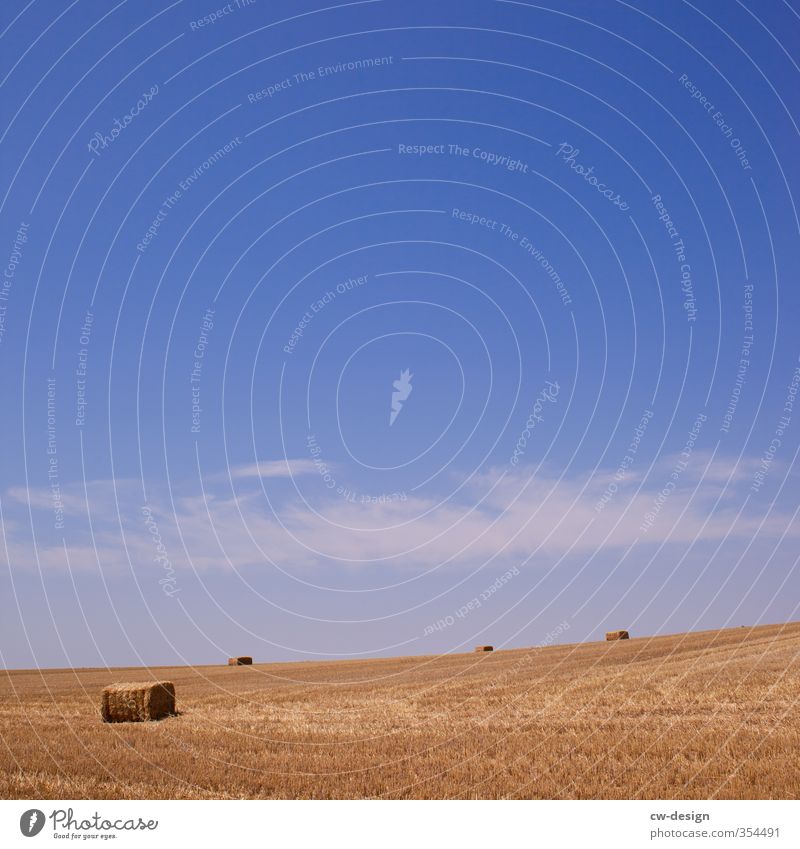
(406,824)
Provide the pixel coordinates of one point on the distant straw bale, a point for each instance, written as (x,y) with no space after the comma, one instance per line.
(138,702)
(618,635)
(484,648)
(240,661)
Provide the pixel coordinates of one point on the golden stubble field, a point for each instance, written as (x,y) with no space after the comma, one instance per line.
(701,715)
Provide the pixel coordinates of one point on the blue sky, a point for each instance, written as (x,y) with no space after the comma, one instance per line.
(227,232)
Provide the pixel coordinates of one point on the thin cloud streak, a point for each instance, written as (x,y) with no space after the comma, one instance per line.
(507,518)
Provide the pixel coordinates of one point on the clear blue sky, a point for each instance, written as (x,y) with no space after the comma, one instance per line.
(227,232)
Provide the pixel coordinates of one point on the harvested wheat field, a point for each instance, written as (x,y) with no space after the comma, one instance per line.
(701,715)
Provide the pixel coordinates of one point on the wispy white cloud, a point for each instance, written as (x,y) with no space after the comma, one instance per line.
(503,516)
(272,469)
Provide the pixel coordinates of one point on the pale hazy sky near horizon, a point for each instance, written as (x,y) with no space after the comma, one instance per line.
(382,328)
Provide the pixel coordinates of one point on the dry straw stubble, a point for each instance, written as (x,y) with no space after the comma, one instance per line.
(714,714)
